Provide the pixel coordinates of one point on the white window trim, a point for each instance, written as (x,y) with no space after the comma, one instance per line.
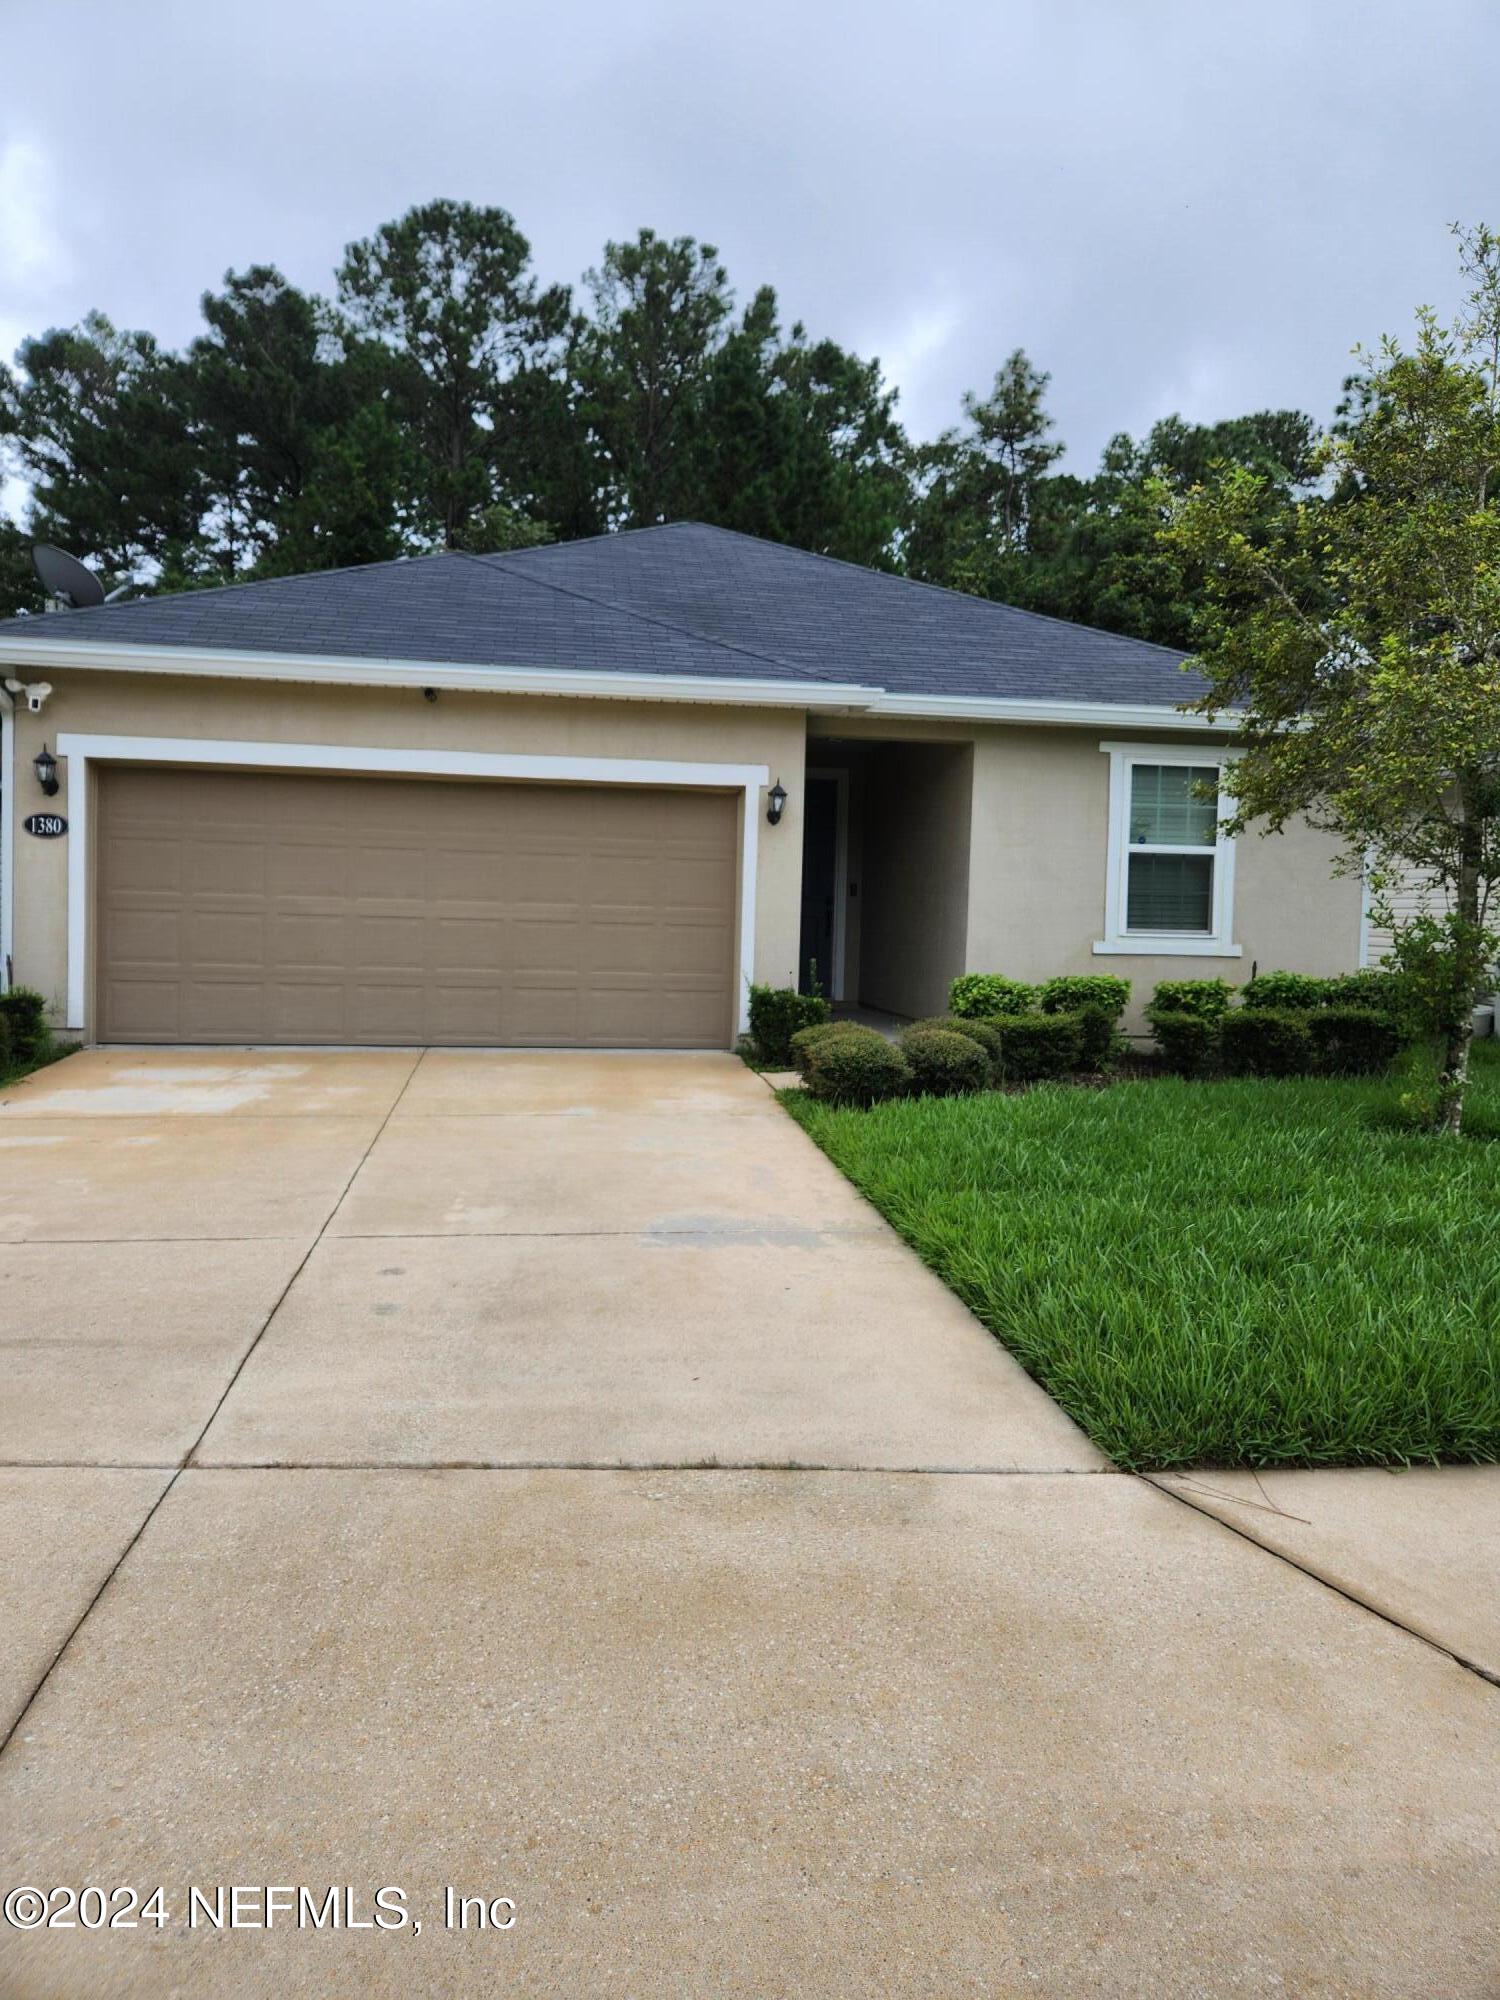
(83,750)
(1117,940)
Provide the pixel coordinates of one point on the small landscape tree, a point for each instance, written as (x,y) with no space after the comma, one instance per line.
(1358,639)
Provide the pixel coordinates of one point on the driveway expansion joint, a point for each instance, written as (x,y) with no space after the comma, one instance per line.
(1360,1600)
(25,1708)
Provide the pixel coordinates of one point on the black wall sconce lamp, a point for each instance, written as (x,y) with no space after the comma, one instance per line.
(45,766)
(775,803)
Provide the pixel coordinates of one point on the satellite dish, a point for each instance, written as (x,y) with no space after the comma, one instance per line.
(65,578)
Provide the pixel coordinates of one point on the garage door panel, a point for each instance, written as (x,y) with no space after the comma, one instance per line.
(305,869)
(474,1014)
(223,939)
(468,875)
(274,907)
(390,943)
(545,1012)
(389,873)
(145,1009)
(220,1009)
(299,940)
(307,1011)
(224,867)
(457,943)
(155,862)
(141,936)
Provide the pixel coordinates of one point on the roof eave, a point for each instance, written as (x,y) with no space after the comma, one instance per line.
(338,670)
(1024,709)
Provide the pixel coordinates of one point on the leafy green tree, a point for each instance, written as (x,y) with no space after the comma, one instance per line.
(798,442)
(448,289)
(847,486)
(500,528)
(976,488)
(19,589)
(1094,548)
(659,308)
(1358,643)
(303,465)
(97,422)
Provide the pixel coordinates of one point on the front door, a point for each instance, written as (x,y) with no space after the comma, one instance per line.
(820,836)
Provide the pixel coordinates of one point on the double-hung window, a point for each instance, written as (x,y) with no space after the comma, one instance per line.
(1170,882)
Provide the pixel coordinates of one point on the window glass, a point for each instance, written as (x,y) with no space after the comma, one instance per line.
(1170,892)
(1166,809)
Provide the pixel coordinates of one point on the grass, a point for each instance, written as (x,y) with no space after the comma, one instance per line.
(52,1053)
(1216,1274)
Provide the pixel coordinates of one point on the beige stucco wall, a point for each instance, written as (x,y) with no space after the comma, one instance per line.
(1038,865)
(380,718)
(987,854)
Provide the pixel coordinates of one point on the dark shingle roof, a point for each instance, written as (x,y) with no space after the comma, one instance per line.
(836,620)
(684,599)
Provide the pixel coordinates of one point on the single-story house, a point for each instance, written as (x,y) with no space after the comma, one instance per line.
(586,794)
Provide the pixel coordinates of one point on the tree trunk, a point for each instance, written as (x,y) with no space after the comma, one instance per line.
(1458,1031)
(1453,1079)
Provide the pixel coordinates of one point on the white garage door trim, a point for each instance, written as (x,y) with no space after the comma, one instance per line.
(81,750)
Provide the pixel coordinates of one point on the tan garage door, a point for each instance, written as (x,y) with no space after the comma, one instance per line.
(249,907)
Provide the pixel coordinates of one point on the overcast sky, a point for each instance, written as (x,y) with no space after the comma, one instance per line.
(1191,207)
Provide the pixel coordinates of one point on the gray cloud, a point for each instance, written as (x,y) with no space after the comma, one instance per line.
(1197,207)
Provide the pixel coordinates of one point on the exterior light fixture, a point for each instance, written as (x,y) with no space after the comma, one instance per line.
(776,803)
(45,766)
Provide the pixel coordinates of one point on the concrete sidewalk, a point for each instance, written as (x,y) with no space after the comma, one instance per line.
(542,1475)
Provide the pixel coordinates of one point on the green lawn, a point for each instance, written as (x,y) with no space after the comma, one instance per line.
(54,1052)
(1213,1273)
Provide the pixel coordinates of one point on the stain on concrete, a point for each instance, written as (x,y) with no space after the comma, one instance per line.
(708,1232)
(200,1089)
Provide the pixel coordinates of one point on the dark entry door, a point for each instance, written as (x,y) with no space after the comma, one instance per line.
(820,835)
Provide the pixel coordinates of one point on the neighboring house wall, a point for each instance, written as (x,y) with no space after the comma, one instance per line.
(1039,863)
(914,891)
(381,718)
(1418,895)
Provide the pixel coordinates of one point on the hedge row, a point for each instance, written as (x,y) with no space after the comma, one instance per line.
(1277,1041)
(1001,1031)
(1287,1024)
(948,1056)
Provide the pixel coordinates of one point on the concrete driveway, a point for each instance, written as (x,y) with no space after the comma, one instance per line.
(541,1475)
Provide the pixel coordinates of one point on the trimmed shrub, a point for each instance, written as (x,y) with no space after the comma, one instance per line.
(1206,997)
(1265,1041)
(858,1068)
(1037,1047)
(985,1033)
(776,1014)
(1098,999)
(1353,1041)
(7,1059)
(1188,1043)
(944,1063)
(1378,990)
(25,1014)
(985,996)
(805,1039)
(1295,992)
(1101,992)
(1100,1041)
